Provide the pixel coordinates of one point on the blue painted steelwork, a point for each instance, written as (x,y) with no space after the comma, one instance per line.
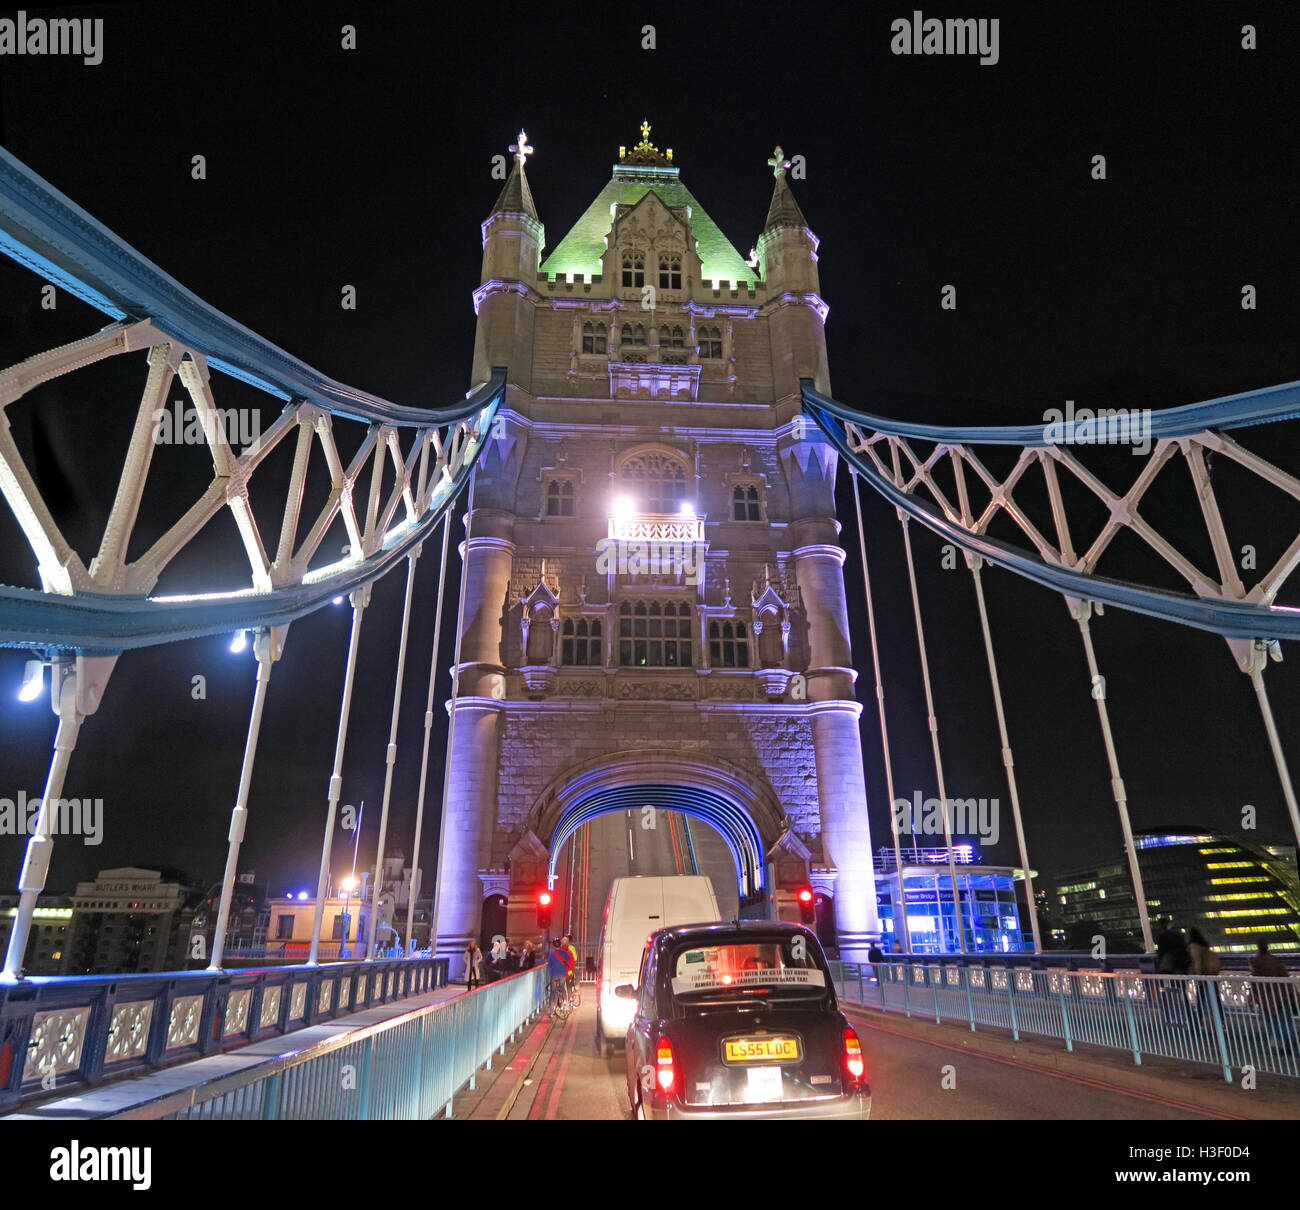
(56,238)
(1263,406)
(80,1030)
(1231,619)
(1227,1021)
(408,1068)
(51,235)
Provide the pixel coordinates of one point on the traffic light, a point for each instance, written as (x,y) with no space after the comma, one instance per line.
(807,905)
(544,900)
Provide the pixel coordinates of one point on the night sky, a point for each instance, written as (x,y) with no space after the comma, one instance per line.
(372,167)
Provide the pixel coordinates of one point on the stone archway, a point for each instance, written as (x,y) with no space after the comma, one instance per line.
(736,804)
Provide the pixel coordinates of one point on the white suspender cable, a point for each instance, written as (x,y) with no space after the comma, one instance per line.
(428,727)
(899,908)
(390,756)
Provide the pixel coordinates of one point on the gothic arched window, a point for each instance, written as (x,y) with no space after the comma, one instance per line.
(670,273)
(710,343)
(593,338)
(655,481)
(728,645)
(654,635)
(745,503)
(670,338)
(580,643)
(559,498)
(634,269)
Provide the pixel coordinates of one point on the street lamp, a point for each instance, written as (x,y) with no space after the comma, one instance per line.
(33,681)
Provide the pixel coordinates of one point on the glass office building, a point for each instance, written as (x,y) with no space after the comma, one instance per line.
(985,906)
(1236,891)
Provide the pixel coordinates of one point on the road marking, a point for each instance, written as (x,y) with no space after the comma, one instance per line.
(1056,1074)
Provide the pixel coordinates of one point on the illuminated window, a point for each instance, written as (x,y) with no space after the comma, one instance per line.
(1229,865)
(656,482)
(728,645)
(670,273)
(1230,850)
(559,498)
(1260,911)
(1234,881)
(710,342)
(580,643)
(654,635)
(634,269)
(594,338)
(745,503)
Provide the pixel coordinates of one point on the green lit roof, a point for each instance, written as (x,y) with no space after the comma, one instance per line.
(580,251)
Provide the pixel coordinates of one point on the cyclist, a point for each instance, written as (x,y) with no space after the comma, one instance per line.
(556,969)
(570,965)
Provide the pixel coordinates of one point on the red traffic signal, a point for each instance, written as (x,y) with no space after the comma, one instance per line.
(544,901)
(807,905)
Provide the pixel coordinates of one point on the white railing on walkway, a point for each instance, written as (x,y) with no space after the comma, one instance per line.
(406,1068)
(1229,1021)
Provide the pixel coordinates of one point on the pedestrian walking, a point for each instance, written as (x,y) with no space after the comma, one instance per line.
(1276,1000)
(473,965)
(1172,958)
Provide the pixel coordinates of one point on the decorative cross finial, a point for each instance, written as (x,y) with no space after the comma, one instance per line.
(778,163)
(645,131)
(521,149)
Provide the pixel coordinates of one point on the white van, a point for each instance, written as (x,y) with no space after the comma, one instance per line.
(637,907)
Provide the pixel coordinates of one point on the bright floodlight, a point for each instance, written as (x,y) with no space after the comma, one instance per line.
(688,509)
(239,642)
(33,681)
(348,883)
(337,601)
(302,895)
(622,506)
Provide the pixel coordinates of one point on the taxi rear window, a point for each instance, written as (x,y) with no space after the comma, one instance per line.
(743,967)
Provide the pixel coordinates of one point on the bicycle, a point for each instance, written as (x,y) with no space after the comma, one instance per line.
(568,1000)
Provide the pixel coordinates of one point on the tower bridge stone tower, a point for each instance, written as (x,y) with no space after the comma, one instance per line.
(653,588)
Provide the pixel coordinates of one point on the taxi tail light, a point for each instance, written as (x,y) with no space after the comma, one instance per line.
(853,1061)
(664,1074)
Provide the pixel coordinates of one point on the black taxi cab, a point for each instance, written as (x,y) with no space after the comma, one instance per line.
(740,1020)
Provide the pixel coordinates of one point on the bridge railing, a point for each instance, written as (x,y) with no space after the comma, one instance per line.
(1228,1020)
(407,1068)
(62,1033)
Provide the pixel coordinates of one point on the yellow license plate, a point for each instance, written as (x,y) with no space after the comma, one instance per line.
(760,1050)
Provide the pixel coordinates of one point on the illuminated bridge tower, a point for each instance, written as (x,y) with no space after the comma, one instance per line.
(654,607)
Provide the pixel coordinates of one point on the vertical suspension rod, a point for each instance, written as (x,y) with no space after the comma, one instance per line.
(900,908)
(428,728)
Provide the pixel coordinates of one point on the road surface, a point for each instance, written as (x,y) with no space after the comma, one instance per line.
(570,1081)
